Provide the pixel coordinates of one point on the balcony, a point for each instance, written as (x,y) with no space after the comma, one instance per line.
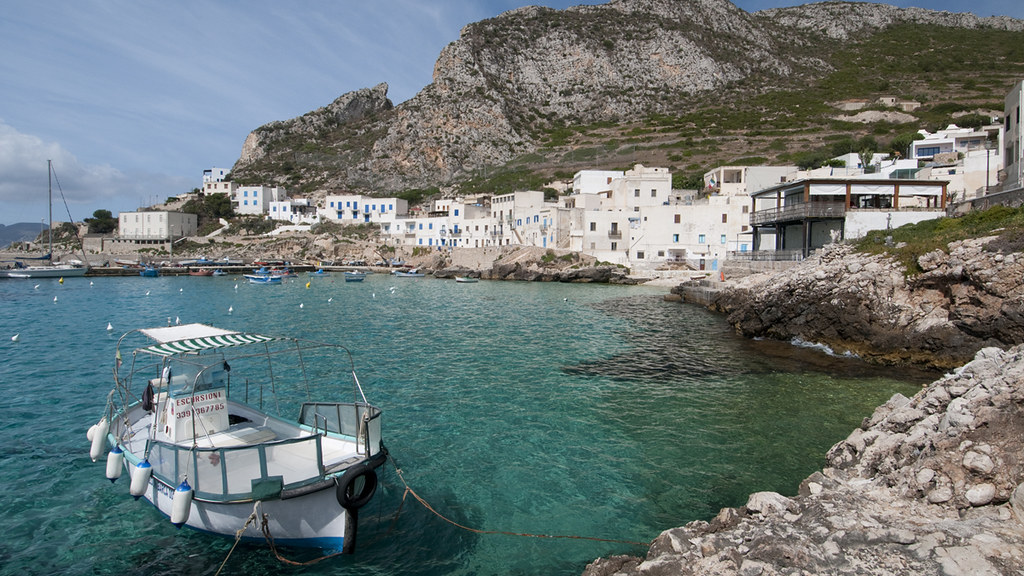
(798,212)
(615,234)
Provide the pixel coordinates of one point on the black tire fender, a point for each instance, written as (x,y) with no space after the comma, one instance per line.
(347,482)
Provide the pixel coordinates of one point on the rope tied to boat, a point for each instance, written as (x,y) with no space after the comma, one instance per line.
(425,504)
(238,536)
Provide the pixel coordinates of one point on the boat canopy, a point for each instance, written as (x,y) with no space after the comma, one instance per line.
(186,338)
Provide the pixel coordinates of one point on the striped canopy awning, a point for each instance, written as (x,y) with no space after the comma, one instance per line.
(196,338)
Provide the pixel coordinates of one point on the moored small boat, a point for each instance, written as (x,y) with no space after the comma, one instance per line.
(263,279)
(465,279)
(180,422)
(353,276)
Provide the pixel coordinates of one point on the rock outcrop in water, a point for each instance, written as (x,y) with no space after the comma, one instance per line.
(967,299)
(927,485)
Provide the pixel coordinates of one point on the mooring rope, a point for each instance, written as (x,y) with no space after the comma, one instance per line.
(425,504)
(238,536)
(265,528)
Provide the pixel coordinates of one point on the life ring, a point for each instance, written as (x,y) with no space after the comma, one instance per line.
(350,500)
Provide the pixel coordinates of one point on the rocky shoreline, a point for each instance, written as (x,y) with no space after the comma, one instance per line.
(928,485)
(967,299)
(932,484)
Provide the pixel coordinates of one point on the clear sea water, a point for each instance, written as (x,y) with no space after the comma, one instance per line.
(572,410)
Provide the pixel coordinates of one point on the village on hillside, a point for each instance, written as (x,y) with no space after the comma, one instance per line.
(632,218)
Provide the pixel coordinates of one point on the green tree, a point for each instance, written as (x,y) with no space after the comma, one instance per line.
(102,222)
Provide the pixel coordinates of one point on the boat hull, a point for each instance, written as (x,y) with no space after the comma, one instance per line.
(46,272)
(313,520)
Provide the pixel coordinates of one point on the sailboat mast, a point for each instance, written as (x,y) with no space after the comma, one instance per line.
(49,194)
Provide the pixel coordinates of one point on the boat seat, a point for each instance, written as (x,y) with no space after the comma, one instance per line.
(242,436)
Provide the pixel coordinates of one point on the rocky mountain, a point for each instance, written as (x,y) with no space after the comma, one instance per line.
(20,232)
(511,86)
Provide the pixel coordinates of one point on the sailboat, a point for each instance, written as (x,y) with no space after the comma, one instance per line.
(51,270)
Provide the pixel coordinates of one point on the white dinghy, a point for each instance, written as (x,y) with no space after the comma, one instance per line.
(187,420)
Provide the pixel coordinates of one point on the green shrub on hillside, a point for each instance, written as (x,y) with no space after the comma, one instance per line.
(910,241)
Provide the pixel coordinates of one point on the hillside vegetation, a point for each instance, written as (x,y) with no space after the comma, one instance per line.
(907,243)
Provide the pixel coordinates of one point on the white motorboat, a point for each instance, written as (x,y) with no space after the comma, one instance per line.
(186,419)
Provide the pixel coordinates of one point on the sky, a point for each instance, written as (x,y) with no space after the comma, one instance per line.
(133,99)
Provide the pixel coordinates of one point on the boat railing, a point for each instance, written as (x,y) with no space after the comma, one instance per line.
(358,420)
(241,473)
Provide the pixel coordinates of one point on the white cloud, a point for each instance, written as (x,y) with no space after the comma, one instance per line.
(85,187)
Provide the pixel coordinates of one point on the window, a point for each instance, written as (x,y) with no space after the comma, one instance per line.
(675,238)
(927,151)
(654,193)
(456,211)
(636,193)
(593,226)
(701,239)
(677,219)
(746,209)
(723,238)
(725,218)
(615,246)
(639,255)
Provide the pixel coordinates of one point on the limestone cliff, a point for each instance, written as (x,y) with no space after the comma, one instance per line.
(500,90)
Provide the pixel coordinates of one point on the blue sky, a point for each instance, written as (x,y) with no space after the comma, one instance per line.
(133,99)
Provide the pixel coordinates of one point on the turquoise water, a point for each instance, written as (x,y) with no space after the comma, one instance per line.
(577,410)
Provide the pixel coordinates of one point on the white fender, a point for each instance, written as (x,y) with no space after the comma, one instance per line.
(181,504)
(91,432)
(115,460)
(99,439)
(140,479)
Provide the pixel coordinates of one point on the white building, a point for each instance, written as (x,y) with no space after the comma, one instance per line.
(255,200)
(1013,146)
(294,210)
(359,209)
(155,227)
(214,175)
(952,140)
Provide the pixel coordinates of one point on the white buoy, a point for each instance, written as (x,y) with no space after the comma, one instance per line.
(54,299)
(16,337)
(36,287)
(147,292)
(115,458)
(329,300)
(236,286)
(90,282)
(140,479)
(177,321)
(181,289)
(181,503)
(231,309)
(301,305)
(99,439)
(109,326)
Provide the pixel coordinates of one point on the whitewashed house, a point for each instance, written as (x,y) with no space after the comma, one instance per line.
(293,210)
(359,209)
(255,200)
(1013,145)
(155,227)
